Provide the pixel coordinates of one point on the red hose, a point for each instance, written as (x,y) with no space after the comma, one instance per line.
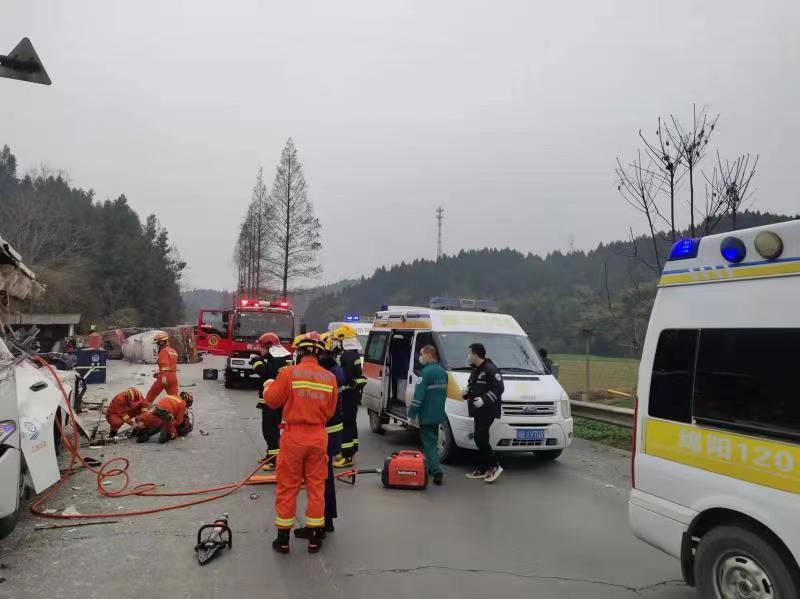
(106,472)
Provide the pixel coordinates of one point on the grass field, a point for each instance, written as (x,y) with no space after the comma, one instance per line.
(605,373)
(610,434)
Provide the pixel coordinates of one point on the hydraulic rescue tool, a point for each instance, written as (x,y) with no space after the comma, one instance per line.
(218,537)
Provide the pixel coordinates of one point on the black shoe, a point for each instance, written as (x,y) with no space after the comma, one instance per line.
(315,543)
(329,524)
(142,437)
(112,433)
(163,437)
(306,533)
(437,478)
(281,542)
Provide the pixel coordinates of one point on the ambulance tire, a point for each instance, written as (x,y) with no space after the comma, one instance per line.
(376,422)
(230,381)
(447,448)
(8,523)
(731,550)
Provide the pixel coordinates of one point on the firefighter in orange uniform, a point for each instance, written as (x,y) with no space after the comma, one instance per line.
(308,395)
(166,416)
(167,375)
(123,409)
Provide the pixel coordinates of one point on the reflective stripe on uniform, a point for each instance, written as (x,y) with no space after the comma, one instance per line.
(311,385)
(258,363)
(315,522)
(443,386)
(359,362)
(273,451)
(335,428)
(348,445)
(287,522)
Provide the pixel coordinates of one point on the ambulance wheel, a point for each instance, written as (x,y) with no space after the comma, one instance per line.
(8,523)
(376,422)
(230,383)
(739,561)
(446,446)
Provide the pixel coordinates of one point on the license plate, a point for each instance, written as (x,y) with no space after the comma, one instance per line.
(530,434)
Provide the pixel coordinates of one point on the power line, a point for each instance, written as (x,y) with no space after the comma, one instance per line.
(440,219)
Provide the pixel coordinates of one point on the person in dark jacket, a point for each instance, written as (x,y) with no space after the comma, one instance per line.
(334,427)
(272,357)
(428,405)
(351,361)
(484,403)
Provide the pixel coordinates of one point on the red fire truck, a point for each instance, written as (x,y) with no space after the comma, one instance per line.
(233,333)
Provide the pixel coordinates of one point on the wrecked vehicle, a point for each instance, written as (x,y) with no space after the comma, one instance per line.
(30,402)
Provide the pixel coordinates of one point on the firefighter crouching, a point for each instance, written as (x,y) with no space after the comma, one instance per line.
(351,362)
(308,395)
(123,409)
(272,357)
(168,416)
(167,375)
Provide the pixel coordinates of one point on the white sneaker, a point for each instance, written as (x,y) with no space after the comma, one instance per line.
(477,473)
(493,474)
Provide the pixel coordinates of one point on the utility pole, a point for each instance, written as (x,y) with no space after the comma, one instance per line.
(586,333)
(439,218)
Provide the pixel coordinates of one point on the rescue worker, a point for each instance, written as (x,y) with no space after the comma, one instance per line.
(334,427)
(123,409)
(428,404)
(272,357)
(307,393)
(166,416)
(484,403)
(167,375)
(95,339)
(351,393)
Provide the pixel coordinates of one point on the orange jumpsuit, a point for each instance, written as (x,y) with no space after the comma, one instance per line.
(124,407)
(167,375)
(308,395)
(172,404)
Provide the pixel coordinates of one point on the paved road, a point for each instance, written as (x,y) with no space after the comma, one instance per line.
(543,530)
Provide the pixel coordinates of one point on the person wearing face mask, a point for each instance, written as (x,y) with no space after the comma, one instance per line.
(428,405)
(484,396)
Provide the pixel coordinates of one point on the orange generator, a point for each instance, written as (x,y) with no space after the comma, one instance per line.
(405,470)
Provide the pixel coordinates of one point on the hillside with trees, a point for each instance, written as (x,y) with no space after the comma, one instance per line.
(605,293)
(96,258)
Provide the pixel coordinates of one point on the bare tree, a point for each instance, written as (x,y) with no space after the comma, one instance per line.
(733,184)
(692,142)
(668,156)
(639,185)
(297,231)
(715,207)
(253,244)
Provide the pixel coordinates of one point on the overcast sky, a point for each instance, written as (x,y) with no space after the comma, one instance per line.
(508,114)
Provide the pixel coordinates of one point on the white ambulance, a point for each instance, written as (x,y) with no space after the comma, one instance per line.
(535,409)
(716,471)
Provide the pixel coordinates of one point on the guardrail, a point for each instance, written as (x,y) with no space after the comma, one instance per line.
(601,413)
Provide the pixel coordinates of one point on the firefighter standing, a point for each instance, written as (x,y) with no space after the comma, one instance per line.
(307,393)
(123,409)
(167,375)
(166,416)
(334,427)
(272,357)
(351,393)
(95,339)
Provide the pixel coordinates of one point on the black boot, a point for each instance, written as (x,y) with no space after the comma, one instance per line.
(315,543)
(306,533)
(281,542)
(329,524)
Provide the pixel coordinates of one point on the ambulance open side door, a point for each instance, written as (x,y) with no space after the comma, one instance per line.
(421,339)
(376,390)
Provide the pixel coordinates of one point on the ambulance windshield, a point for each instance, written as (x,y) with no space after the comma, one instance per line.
(510,353)
(251,325)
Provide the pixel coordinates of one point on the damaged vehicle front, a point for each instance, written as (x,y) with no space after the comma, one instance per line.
(30,401)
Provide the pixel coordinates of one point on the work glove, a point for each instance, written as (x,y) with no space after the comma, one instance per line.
(477,402)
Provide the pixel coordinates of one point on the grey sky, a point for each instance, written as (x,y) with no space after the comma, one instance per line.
(509,114)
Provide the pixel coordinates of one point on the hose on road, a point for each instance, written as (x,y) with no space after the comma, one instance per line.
(118,467)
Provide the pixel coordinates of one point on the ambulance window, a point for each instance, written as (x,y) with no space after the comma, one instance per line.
(376,347)
(423,339)
(747,379)
(671,384)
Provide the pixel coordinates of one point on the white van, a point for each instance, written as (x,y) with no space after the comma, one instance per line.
(536,413)
(716,471)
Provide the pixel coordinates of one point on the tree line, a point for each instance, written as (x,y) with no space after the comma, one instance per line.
(97,258)
(279,237)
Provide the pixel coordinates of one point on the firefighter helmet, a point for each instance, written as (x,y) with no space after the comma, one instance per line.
(345,331)
(268,339)
(327,341)
(310,341)
(161,338)
(188,398)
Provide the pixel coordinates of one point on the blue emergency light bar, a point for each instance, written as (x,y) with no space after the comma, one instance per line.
(453,303)
(684,249)
(352,318)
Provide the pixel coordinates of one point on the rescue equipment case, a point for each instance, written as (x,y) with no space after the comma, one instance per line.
(210,374)
(405,470)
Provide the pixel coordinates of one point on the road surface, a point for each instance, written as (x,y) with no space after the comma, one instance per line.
(543,530)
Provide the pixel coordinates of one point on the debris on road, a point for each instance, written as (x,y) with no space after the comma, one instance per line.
(203,433)
(255,495)
(54,526)
(71,511)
